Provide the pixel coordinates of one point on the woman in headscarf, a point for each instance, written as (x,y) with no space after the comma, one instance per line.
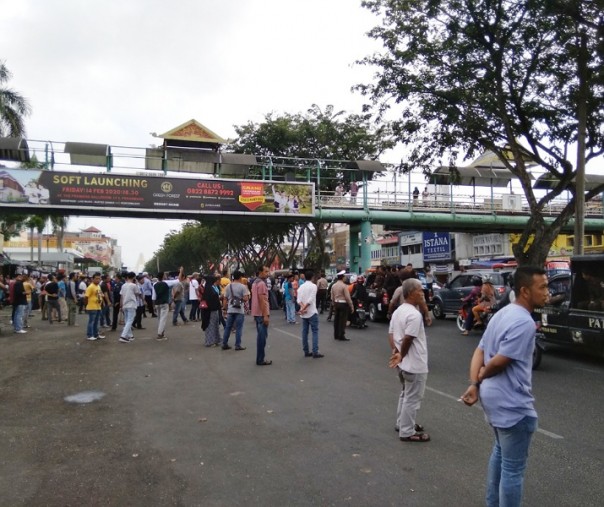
(210,311)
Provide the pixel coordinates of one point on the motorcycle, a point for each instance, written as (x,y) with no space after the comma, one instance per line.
(358,318)
(462,315)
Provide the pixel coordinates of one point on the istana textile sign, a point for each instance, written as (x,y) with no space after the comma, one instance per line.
(437,246)
(24,188)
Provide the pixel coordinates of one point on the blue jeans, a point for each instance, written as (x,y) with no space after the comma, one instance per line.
(237,320)
(194,309)
(261,336)
(508,462)
(93,322)
(129,315)
(105,317)
(313,323)
(18,317)
(290,310)
(179,309)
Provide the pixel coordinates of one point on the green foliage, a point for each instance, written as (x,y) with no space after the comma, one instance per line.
(11,224)
(315,135)
(195,246)
(458,77)
(13,107)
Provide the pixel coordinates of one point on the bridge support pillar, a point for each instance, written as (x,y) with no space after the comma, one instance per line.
(366,235)
(360,247)
(353,247)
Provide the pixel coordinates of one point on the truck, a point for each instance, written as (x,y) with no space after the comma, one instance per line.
(574,315)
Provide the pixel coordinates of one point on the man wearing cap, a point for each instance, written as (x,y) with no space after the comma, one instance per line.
(342,302)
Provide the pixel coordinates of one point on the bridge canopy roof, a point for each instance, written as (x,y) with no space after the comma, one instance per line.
(472,176)
(548,181)
(485,171)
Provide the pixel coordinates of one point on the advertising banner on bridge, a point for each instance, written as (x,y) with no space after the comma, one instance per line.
(23,188)
(436,246)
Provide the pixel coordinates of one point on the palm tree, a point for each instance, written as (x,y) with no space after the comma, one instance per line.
(36,222)
(59,223)
(13,107)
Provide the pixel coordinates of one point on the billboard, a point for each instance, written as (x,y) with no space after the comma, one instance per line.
(75,190)
(436,246)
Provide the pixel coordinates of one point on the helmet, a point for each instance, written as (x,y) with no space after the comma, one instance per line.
(476,280)
(487,279)
(361,279)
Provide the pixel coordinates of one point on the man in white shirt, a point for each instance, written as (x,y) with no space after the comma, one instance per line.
(307,299)
(193,286)
(410,356)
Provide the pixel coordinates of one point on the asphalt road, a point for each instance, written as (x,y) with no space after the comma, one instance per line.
(181,424)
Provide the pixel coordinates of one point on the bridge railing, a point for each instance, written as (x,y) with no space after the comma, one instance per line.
(444,204)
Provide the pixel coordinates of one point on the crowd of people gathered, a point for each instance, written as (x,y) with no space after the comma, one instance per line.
(500,369)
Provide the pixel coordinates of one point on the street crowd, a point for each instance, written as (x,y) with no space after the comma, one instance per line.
(500,369)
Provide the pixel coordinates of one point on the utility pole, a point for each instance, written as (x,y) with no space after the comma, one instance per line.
(583,73)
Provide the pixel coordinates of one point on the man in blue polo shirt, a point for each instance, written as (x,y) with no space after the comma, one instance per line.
(501,376)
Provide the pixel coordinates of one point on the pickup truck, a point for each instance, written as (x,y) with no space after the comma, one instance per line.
(574,316)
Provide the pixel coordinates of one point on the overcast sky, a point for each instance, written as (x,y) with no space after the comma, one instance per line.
(114,71)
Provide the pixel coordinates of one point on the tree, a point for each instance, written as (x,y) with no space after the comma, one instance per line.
(13,107)
(316,135)
(195,246)
(522,78)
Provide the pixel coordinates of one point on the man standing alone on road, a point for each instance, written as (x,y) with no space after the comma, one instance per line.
(307,299)
(261,313)
(501,376)
(162,303)
(410,356)
(342,302)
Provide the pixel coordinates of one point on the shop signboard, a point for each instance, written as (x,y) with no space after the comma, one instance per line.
(436,246)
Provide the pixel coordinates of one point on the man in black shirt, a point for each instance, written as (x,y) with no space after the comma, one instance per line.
(117,288)
(52,298)
(19,301)
(107,294)
(162,305)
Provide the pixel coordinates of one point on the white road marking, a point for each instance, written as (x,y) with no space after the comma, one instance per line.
(455,398)
(287,333)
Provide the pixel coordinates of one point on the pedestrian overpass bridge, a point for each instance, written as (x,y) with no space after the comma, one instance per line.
(184,184)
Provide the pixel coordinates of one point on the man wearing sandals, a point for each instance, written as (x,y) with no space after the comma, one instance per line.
(410,356)
(501,376)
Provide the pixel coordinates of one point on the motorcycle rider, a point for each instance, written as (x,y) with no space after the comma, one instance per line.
(358,294)
(469,301)
(486,300)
